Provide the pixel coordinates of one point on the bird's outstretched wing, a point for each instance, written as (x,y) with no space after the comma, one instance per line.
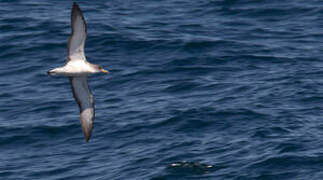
(84,98)
(75,45)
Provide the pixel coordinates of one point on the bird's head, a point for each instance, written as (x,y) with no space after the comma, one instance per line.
(99,69)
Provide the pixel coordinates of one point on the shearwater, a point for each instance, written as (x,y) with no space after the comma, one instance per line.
(77,68)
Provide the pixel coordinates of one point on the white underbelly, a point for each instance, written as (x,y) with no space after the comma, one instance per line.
(74,68)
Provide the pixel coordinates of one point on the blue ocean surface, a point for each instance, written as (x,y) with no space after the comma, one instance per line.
(205,89)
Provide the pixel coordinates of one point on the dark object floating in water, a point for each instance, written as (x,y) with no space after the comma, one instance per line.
(191,167)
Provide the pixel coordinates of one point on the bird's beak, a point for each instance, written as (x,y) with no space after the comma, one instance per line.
(105,71)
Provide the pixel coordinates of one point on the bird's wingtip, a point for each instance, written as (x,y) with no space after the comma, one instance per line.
(87,137)
(87,127)
(75,5)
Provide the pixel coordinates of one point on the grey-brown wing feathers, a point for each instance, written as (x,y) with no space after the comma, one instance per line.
(76,42)
(84,98)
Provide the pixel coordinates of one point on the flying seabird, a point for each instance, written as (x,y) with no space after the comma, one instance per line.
(77,68)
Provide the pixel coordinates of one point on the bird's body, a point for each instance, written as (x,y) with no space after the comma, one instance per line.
(77,69)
